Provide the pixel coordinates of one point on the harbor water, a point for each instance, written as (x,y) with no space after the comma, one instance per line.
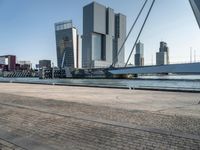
(184,82)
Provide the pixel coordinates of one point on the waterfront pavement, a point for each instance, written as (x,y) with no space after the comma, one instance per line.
(45,117)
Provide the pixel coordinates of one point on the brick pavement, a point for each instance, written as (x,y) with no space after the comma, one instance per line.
(170,123)
(4,145)
(29,123)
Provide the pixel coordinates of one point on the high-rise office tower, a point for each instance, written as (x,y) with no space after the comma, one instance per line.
(196,9)
(67,44)
(139,55)
(103,34)
(162,57)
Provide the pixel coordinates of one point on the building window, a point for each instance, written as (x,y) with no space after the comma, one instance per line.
(117,26)
(96,46)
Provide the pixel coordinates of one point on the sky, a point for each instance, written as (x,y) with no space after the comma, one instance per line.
(27,27)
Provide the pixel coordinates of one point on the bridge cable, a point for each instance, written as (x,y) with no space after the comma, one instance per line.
(119,51)
(140,32)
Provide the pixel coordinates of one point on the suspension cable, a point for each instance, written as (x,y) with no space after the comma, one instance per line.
(140,32)
(119,51)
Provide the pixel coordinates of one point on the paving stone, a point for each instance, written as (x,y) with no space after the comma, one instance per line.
(34,123)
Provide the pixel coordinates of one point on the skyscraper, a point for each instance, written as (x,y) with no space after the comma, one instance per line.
(139,56)
(67,45)
(196,9)
(103,34)
(162,57)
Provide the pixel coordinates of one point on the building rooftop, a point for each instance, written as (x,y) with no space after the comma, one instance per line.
(63,25)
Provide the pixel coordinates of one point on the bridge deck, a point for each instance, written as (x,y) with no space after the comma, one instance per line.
(189,68)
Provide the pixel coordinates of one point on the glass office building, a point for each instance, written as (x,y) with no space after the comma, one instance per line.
(139,55)
(103,34)
(162,57)
(67,45)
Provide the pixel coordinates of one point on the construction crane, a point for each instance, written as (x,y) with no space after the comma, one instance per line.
(195,4)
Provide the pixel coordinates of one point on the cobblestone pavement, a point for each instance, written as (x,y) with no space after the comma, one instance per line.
(171,123)
(4,145)
(39,124)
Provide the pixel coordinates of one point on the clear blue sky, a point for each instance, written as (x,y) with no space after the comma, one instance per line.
(27,26)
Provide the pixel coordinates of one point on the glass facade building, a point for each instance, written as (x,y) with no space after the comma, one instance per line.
(162,57)
(103,34)
(67,45)
(139,56)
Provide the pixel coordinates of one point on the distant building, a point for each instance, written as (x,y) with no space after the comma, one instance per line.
(67,44)
(139,56)
(162,57)
(103,34)
(196,9)
(24,65)
(2,60)
(45,64)
(37,66)
(8,62)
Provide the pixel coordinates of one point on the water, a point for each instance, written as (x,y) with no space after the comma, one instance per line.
(151,82)
(173,77)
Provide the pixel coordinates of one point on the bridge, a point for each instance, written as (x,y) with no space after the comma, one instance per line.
(186,68)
